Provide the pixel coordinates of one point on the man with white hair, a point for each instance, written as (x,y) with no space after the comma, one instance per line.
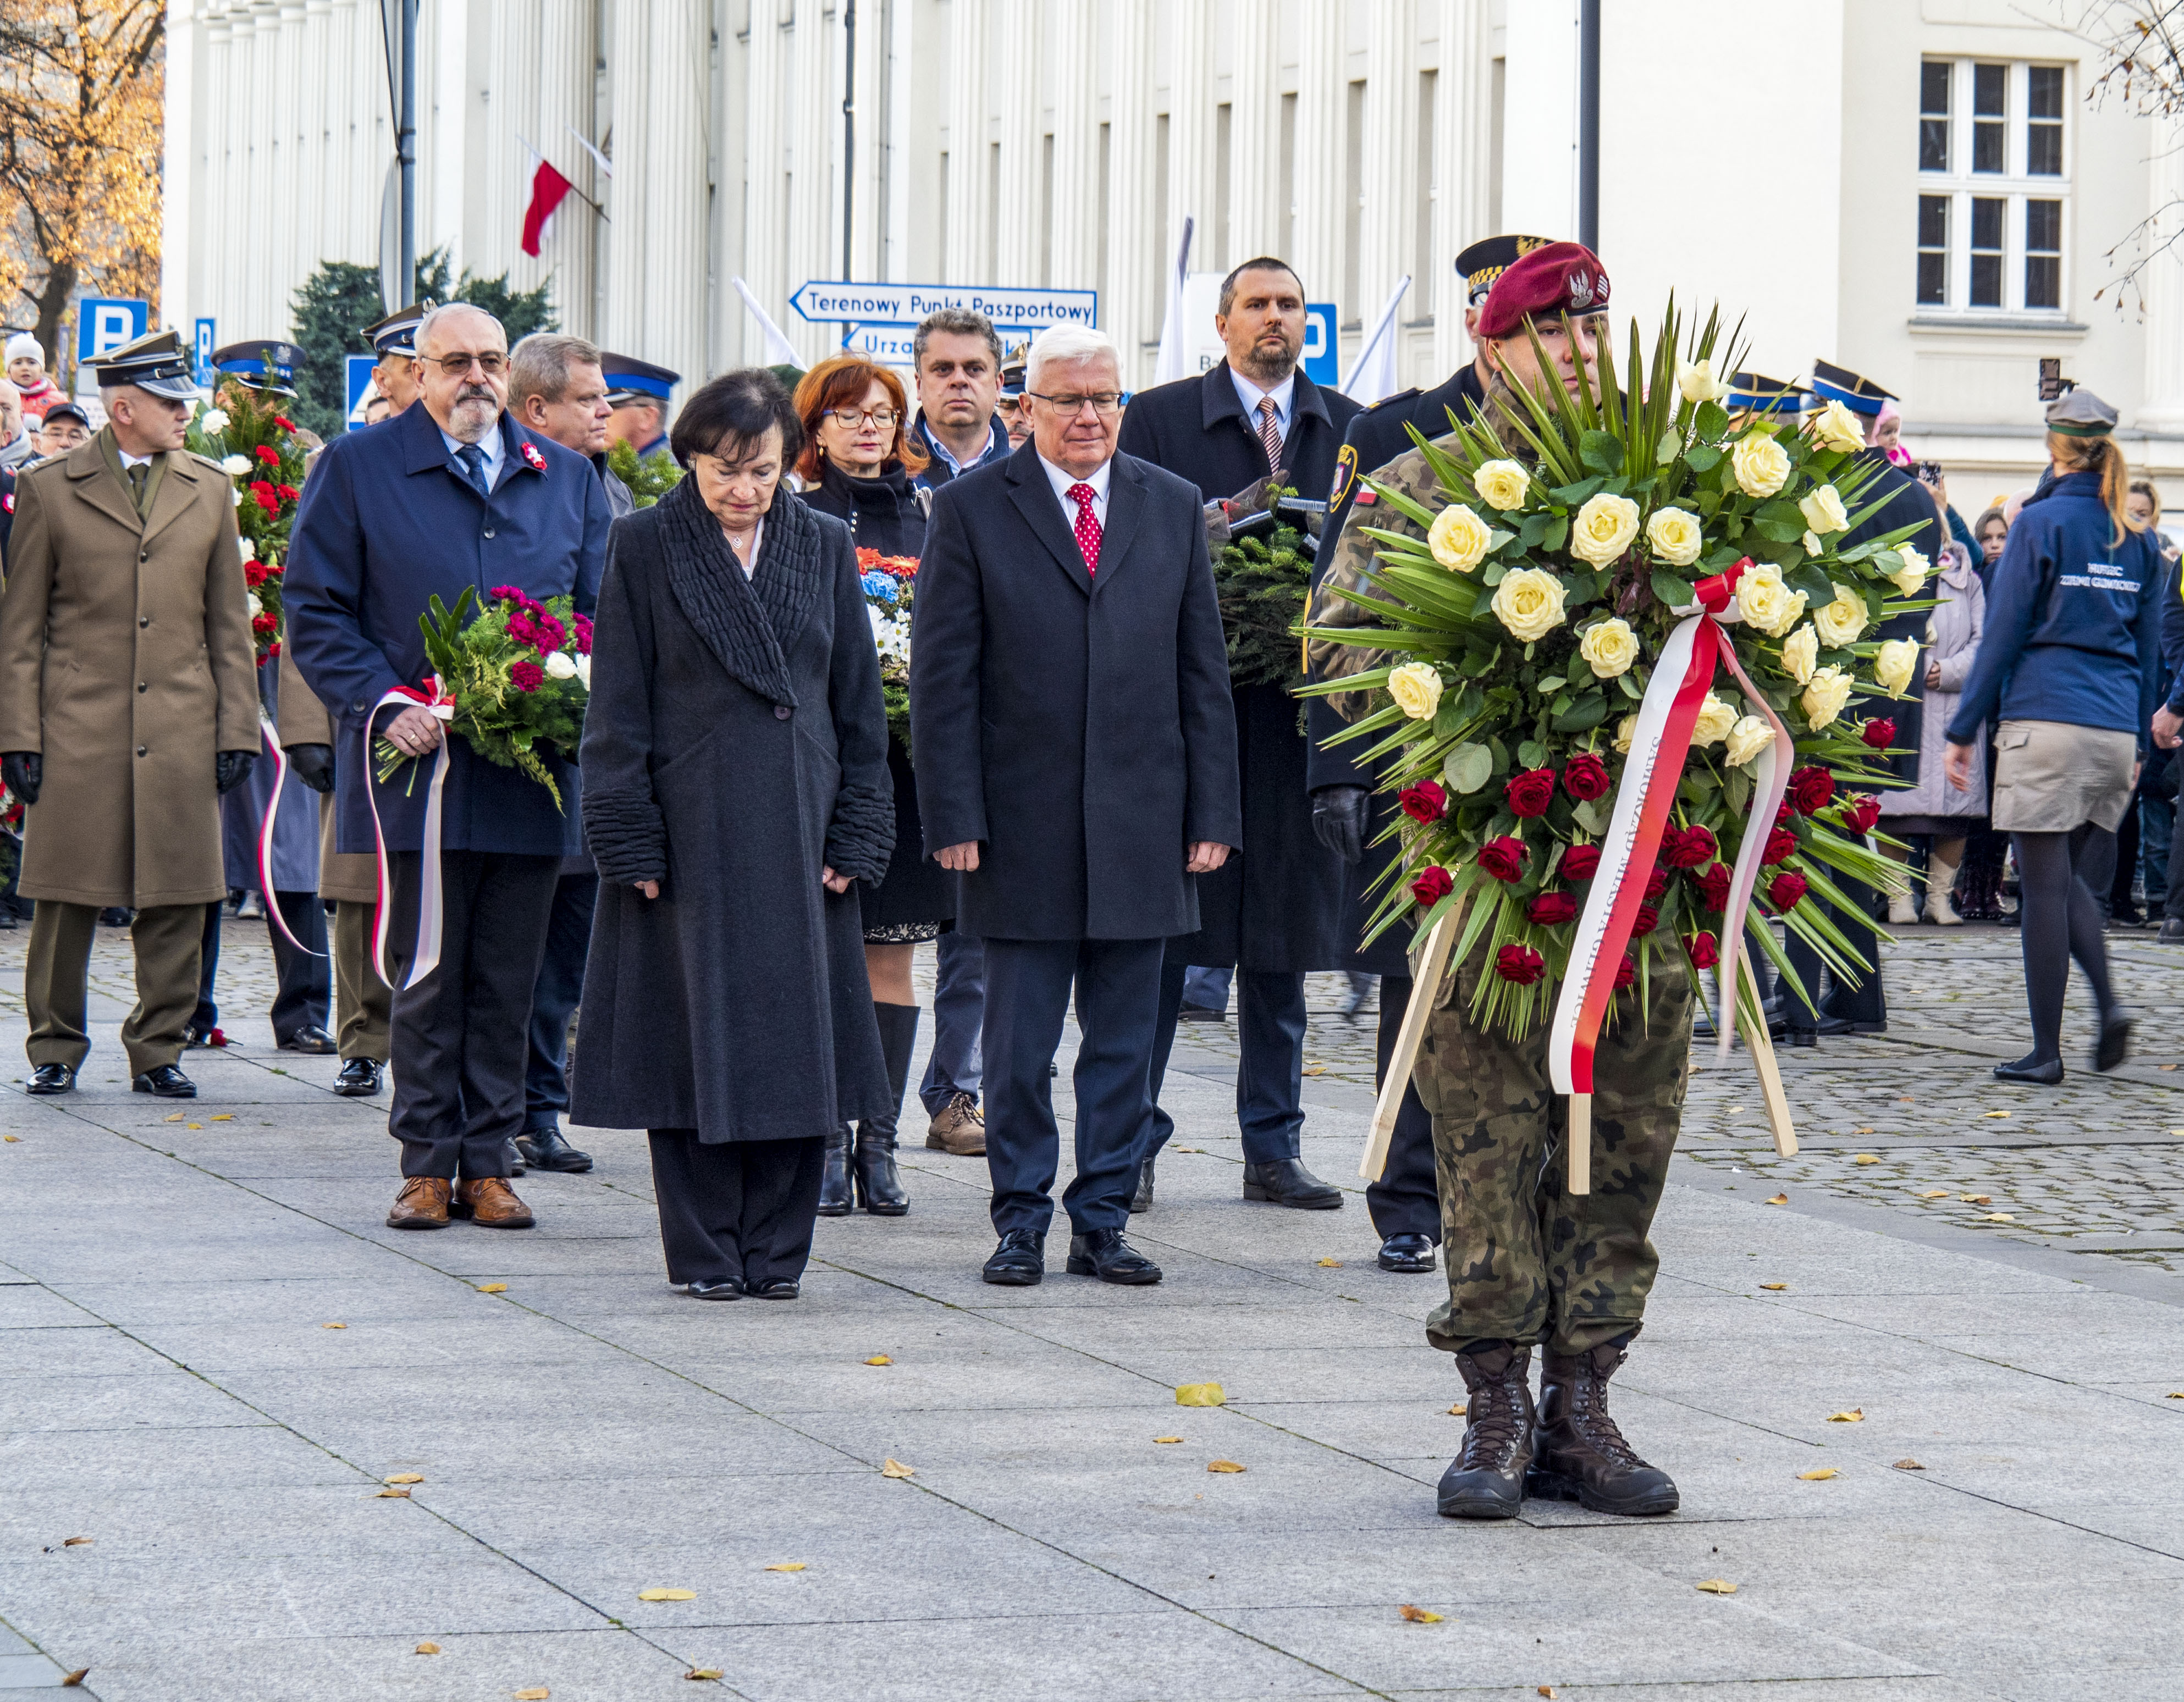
(451,495)
(1076,758)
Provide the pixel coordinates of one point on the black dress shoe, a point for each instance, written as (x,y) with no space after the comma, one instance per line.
(52,1078)
(1142,1200)
(727,1288)
(2172,930)
(360,1078)
(1200,1013)
(780,1288)
(1286,1181)
(2040,1072)
(1410,1254)
(1020,1261)
(2115,1045)
(1804,1037)
(1104,1254)
(511,1159)
(168,1081)
(313,1040)
(545,1148)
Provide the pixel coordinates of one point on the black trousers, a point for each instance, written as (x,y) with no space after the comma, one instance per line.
(304,997)
(1406,1200)
(206,1017)
(1867,1002)
(1118,984)
(739,1210)
(460,1034)
(554,1000)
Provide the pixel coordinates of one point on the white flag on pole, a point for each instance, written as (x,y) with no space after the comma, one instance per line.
(1373,376)
(779,350)
(606,168)
(1174,343)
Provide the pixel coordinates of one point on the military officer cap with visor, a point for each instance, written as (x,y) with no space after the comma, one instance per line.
(1752,393)
(1486,259)
(1833,383)
(157,363)
(263,366)
(2080,413)
(631,382)
(397,334)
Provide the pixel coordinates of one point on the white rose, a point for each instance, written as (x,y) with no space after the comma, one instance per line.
(1823,510)
(249,549)
(235,466)
(214,421)
(1791,615)
(1812,545)
(1675,535)
(1529,602)
(1760,597)
(1416,688)
(1698,383)
(1748,738)
(1761,465)
(584,669)
(1715,719)
(1842,619)
(560,665)
(1910,579)
(1603,528)
(257,609)
(1892,665)
(1801,653)
(1505,484)
(1824,697)
(1458,538)
(1625,730)
(1836,428)
(1611,646)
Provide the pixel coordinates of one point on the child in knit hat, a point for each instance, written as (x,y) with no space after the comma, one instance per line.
(27,371)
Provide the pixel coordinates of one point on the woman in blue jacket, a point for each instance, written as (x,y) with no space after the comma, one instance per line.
(2069,667)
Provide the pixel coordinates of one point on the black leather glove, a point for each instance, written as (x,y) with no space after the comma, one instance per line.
(25,772)
(1338,820)
(231,768)
(313,765)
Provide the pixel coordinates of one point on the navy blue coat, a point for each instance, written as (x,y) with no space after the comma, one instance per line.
(1077,727)
(387,521)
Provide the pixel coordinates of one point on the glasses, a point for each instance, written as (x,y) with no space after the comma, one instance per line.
(1103,402)
(455,365)
(856,418)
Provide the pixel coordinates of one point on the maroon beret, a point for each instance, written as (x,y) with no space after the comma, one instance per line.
(1562,277)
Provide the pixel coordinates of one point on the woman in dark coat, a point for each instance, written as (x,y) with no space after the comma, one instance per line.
(735,793)
(858,461)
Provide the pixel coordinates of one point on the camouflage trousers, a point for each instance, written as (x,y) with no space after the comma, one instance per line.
(1527,1261)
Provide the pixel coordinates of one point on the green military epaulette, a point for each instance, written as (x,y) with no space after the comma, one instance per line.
(207,460)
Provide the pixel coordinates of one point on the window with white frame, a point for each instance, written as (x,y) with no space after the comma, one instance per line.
(1993,188)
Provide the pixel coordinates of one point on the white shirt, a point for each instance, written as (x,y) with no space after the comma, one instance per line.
(129,460)
(491,444)
(750,564)
(1062,481)
(1281,395)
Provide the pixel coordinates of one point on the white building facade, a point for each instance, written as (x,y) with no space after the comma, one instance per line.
(1919,190)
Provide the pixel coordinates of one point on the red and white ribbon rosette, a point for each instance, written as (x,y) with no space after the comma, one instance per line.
(431,903)
(1660,747)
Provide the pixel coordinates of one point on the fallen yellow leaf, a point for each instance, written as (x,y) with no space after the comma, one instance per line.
(1855,1415)
(703,1672)
(1820,1476)
(1716,1586)
(1908,1465)
(1200,1395)
(394,1494)
(195,1125)
(2164,1066)
(1186,1149)
(76,1678)
(492,1289)
(175,1118)
(404,1477)
(1458,1410)
(1903,1099)
(1547,1690)
(75,1542)
(1418,1615)
(1934,1193)
(1779,1199)
(427,1649)
(224,1117)
(895,1468)
(1977,1199)
(1222,1465)
(2174,1394)
(1994,1114)
(657,1594)
(1732,1110)
(879,1359)
(1177,1438)
(12,1138)
(787,1566)
(1998,1217)
(1777,1287)
(537,1693)
(1315,1069)
(333,1327)
(1331,1264)
(1866,1158)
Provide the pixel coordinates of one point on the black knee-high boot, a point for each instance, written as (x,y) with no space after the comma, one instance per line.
(834,1177)
(879,1188)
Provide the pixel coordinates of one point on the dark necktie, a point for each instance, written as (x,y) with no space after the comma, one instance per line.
(1270,432)
(138,475)
(473,460)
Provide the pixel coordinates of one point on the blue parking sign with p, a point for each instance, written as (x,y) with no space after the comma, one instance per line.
(108,322)
(207,336)
(359,390)
(1322,346)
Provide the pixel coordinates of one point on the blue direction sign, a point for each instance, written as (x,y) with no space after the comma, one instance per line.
(202,344)
(899,304)
(1323,345)
(891,345)
(104,322)
(359,374)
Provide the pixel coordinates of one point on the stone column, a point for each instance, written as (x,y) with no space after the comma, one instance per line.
(1321,149)
(1075,57)
(1190,134)
(2161,284)
(1023,149)
(657,308)
(1254,131)
(182,155)
(1389,157)
(765,214)
(1138,256)
(564,78)
(1463,150)
(814,206)
(966,240)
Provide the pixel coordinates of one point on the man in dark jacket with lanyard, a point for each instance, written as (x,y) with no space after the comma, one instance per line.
(1274,912)
(1348,811)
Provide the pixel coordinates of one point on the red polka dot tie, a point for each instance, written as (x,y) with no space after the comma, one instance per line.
(1087,525)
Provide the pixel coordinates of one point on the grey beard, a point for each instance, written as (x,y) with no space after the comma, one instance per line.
(460,416)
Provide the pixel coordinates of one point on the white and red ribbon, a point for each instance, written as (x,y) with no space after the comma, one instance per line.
(431,903)
(267,731)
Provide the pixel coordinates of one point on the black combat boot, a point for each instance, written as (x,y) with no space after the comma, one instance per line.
(879,1187)
(1582,1456)
(834,1178)
(1487,1480)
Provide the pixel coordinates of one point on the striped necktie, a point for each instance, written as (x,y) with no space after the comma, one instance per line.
(1270,432)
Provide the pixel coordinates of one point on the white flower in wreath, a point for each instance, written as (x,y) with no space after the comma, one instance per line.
(1764,603)
(1716,718)
(235,466)
(1529,602)
(249,549)
(1610,646)
(1674,535)
(214,421)
(1603,528)
(1842,619)
(1836,428)
(560,665)
(257,608)
(1892,665)
(1696,380)
(1910,578)
(1416,688)
(1826,696)
(234,498)
(1457,538)
(1761,465)
(1812,545)
(1503,484)
(1748,738)
(1625,730)
(1801,654)
(584,670)
(1823,510)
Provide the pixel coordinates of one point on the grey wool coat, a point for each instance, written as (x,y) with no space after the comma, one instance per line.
(735,746)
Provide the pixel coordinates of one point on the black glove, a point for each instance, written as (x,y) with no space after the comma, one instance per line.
(313,765)
(24,772)
(1338,820)
(231,768)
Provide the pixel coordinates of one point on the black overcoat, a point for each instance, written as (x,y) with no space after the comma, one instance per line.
(1904,502)
(735,744)
(1279,905)
(1077,726)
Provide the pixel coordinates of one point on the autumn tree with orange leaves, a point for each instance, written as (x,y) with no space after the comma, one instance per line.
(81,146)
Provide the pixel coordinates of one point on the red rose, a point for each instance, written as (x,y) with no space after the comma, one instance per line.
(1880,732)
(1781,844)
(1657,882)
(1585,777)
(262,623)
(1519,964)
(1502,858)
(1859,815)
(1433,885)
(1531,792)
(1713,887)
(1625,972)
(1784,891)
(1704,951)
(1811,789)
(526,676)
(273,649)
(1644,921)
(255,574)
(1688,848)
(1550,909)
(1580,861)
(1424,802)
(270,456)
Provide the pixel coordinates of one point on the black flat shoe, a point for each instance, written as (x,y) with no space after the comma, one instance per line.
(1142,1199)
(360,1078)
(546,1149)
(1104,1254)
(1804,1037)
(314,1041)
(1020,1261)
(2040,1072)
(1408,1254)
(727,1289)
(51,1078)
(780,1288)
(1286,1181)
(168,1081)
(2115,1045)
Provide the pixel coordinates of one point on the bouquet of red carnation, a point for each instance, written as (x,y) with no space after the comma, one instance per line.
(249,438)
(519,676)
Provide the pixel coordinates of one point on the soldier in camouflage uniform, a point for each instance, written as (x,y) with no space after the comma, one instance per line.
(1529,1264)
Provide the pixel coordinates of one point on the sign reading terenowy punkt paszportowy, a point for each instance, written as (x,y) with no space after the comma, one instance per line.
(1011,311)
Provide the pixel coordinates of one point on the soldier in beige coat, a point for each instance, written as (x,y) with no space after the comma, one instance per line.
(128,703)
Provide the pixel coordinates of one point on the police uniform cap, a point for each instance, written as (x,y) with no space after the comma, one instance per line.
(1014,365)
(397,334)
(1487,258)
(632,381)
(2078,413)
(265,365)
(1833,383)
(157,363)
(1752,393)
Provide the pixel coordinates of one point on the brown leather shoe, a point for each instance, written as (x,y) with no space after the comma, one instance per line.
(491,1203)
(421,1204)
(958,1129)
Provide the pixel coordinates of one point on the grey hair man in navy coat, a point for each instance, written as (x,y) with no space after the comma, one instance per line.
(1076,757)
(448,496)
